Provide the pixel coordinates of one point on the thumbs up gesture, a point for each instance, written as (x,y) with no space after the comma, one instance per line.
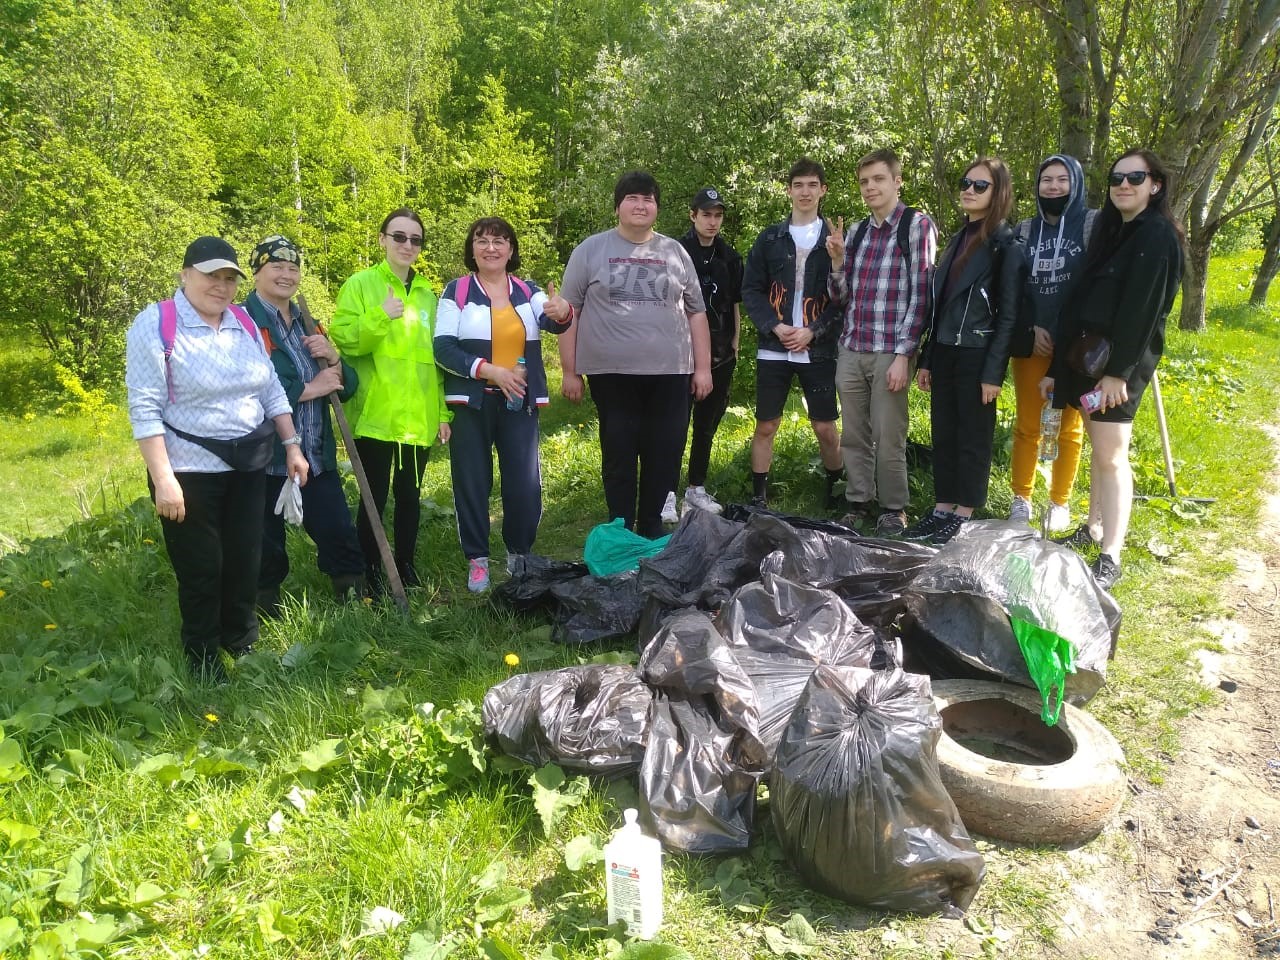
(557,307)
(393,306)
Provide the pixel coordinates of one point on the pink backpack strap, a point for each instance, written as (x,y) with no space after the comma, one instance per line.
(461,289)
(246,321)
(168,331)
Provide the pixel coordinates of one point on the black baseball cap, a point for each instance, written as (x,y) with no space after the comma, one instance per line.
(208,254)
(707,198)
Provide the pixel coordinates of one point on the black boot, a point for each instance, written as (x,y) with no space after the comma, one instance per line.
(269,602)
(348,587)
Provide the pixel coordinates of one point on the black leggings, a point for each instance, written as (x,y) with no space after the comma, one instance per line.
(643,424)
(963,426)
(380,457)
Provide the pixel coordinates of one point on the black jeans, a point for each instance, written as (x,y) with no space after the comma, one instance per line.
(963,426)
(398,466)
(643,424)
(707,414)
(215,552)
(327,520)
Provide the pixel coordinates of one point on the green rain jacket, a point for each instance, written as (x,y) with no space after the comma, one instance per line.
(401,394)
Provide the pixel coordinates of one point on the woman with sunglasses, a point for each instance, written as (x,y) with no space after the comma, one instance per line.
(383,327)
(1130,280)
(966,348)
(489,344)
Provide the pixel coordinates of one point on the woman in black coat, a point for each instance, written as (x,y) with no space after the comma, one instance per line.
(1129,283)
(966,348)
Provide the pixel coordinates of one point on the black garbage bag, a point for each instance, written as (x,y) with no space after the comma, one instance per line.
(870,574)
(962,599)
(593,718)
(531,580)
(694,787)
(592,609)
(756,658)
(677,575)
(857,800)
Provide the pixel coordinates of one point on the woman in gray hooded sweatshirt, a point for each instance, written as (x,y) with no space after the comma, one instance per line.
(1056,239)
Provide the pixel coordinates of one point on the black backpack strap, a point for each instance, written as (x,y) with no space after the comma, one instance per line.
(904,234)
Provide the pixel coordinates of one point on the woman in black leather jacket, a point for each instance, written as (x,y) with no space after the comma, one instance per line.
(966,348)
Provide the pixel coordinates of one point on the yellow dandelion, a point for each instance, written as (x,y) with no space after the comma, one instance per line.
(511,660)
(51,626)
(368,601)
(211,717)
(148,541)
(47,584)
(192,820)
(1,594)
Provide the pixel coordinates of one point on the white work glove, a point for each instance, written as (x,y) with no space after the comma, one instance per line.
(289,503)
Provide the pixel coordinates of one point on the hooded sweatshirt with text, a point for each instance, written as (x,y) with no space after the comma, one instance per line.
(1056,251)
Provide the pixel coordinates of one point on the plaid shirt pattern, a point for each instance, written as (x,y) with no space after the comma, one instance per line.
(886,303)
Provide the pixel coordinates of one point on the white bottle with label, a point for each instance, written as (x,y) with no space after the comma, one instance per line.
(633,879)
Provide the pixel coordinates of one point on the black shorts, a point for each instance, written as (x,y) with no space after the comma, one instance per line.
(817,380)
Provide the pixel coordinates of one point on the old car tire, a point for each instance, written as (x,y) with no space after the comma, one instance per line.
(1014,778)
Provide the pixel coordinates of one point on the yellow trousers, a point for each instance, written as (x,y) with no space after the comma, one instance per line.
(1027,373)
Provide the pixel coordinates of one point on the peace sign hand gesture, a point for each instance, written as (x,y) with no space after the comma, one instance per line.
(835,243)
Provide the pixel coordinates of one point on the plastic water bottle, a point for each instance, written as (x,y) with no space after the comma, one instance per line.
(633,879)
(1050,427)
(518,402)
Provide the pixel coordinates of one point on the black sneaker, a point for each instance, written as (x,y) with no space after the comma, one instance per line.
(892,523)
(926,526)
(1078,539)
(948,529)
(1106,572)
(760,501)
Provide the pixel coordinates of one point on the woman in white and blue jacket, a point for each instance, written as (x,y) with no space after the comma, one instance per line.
(487,342)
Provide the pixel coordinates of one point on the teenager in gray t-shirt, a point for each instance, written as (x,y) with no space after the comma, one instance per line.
(641,338)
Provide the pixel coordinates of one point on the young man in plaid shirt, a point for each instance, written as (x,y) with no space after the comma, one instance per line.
(881,274)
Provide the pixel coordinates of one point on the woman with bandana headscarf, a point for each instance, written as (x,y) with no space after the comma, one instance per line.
(310,371)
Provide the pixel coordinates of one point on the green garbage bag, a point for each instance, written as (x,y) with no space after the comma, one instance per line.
(1050,658)
(612,548)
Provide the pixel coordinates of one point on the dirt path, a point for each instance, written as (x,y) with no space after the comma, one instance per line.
(1193,870)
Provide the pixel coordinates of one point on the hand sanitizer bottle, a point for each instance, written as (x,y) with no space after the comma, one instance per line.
(633,879)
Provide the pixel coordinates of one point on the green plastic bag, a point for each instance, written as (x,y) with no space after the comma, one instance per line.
(611,548)
(1050,658)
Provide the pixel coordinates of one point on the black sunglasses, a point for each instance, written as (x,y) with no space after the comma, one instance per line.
(979,186)
(1136,177)
(399,237)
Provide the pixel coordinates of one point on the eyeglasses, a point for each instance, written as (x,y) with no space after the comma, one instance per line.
(979,186)
(492,243)
(1135,177)
(399,237)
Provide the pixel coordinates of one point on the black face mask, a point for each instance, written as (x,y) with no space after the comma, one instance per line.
(1054,205)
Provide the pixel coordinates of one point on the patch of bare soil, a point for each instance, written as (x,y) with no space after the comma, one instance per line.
(1193,868)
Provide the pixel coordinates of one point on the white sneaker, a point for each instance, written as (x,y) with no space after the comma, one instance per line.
(1021,510)
(699,498)
(1059,518)
(669,514)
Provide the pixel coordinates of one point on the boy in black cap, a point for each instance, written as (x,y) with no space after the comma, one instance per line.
(719,269)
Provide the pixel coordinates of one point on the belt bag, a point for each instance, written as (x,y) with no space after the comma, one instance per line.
(246,454)
(1088,354)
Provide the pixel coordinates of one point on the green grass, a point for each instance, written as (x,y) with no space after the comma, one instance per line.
(254,855)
